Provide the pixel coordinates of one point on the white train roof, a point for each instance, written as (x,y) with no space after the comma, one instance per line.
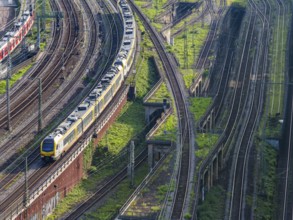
(128,38)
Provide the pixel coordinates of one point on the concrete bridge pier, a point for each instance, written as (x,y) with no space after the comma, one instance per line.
(154,108)
(211,174)
(156,150)
(196,88)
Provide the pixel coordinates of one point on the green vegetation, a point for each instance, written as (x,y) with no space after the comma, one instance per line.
(118,198)
(88,156)
(277,70)
(267,185)
(212,207)
(205,142)
(235,3)
(196,35)
(273,127)
(160,94)
(14,78)
(32,36)
(199,106)
(151,10)
(130,121)
(146,75)
(168,130)
(161,192)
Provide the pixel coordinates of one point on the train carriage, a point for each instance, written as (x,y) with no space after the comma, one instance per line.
(13,38)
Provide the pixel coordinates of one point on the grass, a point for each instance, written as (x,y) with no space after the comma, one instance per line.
(188,76)
(241,3)
(277,70)
(147,76)
(32,36)
(152,11)
(205,142)
(273,127)
(195,37)
(130,121)
(160,94)
(199,106)
(15,77)
(267,183)
(212,207)
(168,130)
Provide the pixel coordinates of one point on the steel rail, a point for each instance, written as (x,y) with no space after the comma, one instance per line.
(183,117)
(108,60)
(245,143)
(37,173)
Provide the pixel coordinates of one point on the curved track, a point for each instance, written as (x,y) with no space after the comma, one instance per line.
(38,174)
(23,101)
(242,165)
(183,118)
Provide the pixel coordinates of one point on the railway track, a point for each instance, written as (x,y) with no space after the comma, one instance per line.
(215,21)
(23,102)
(245,99)
(286,172)
(36,176)
(285,162)
(59,94)
(183,118)
(32,155)
(11,142)
(242,165)
(223,72)
(7,179)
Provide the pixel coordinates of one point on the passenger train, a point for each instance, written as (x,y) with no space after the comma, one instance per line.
(13,38)
(68,132)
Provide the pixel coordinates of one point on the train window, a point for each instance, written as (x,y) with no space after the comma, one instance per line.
(48,145)
(87,119)
(108,96)
(129,32)
(82,107)
(69,138)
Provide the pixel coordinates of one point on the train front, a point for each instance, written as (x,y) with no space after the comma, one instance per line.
(48,149)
